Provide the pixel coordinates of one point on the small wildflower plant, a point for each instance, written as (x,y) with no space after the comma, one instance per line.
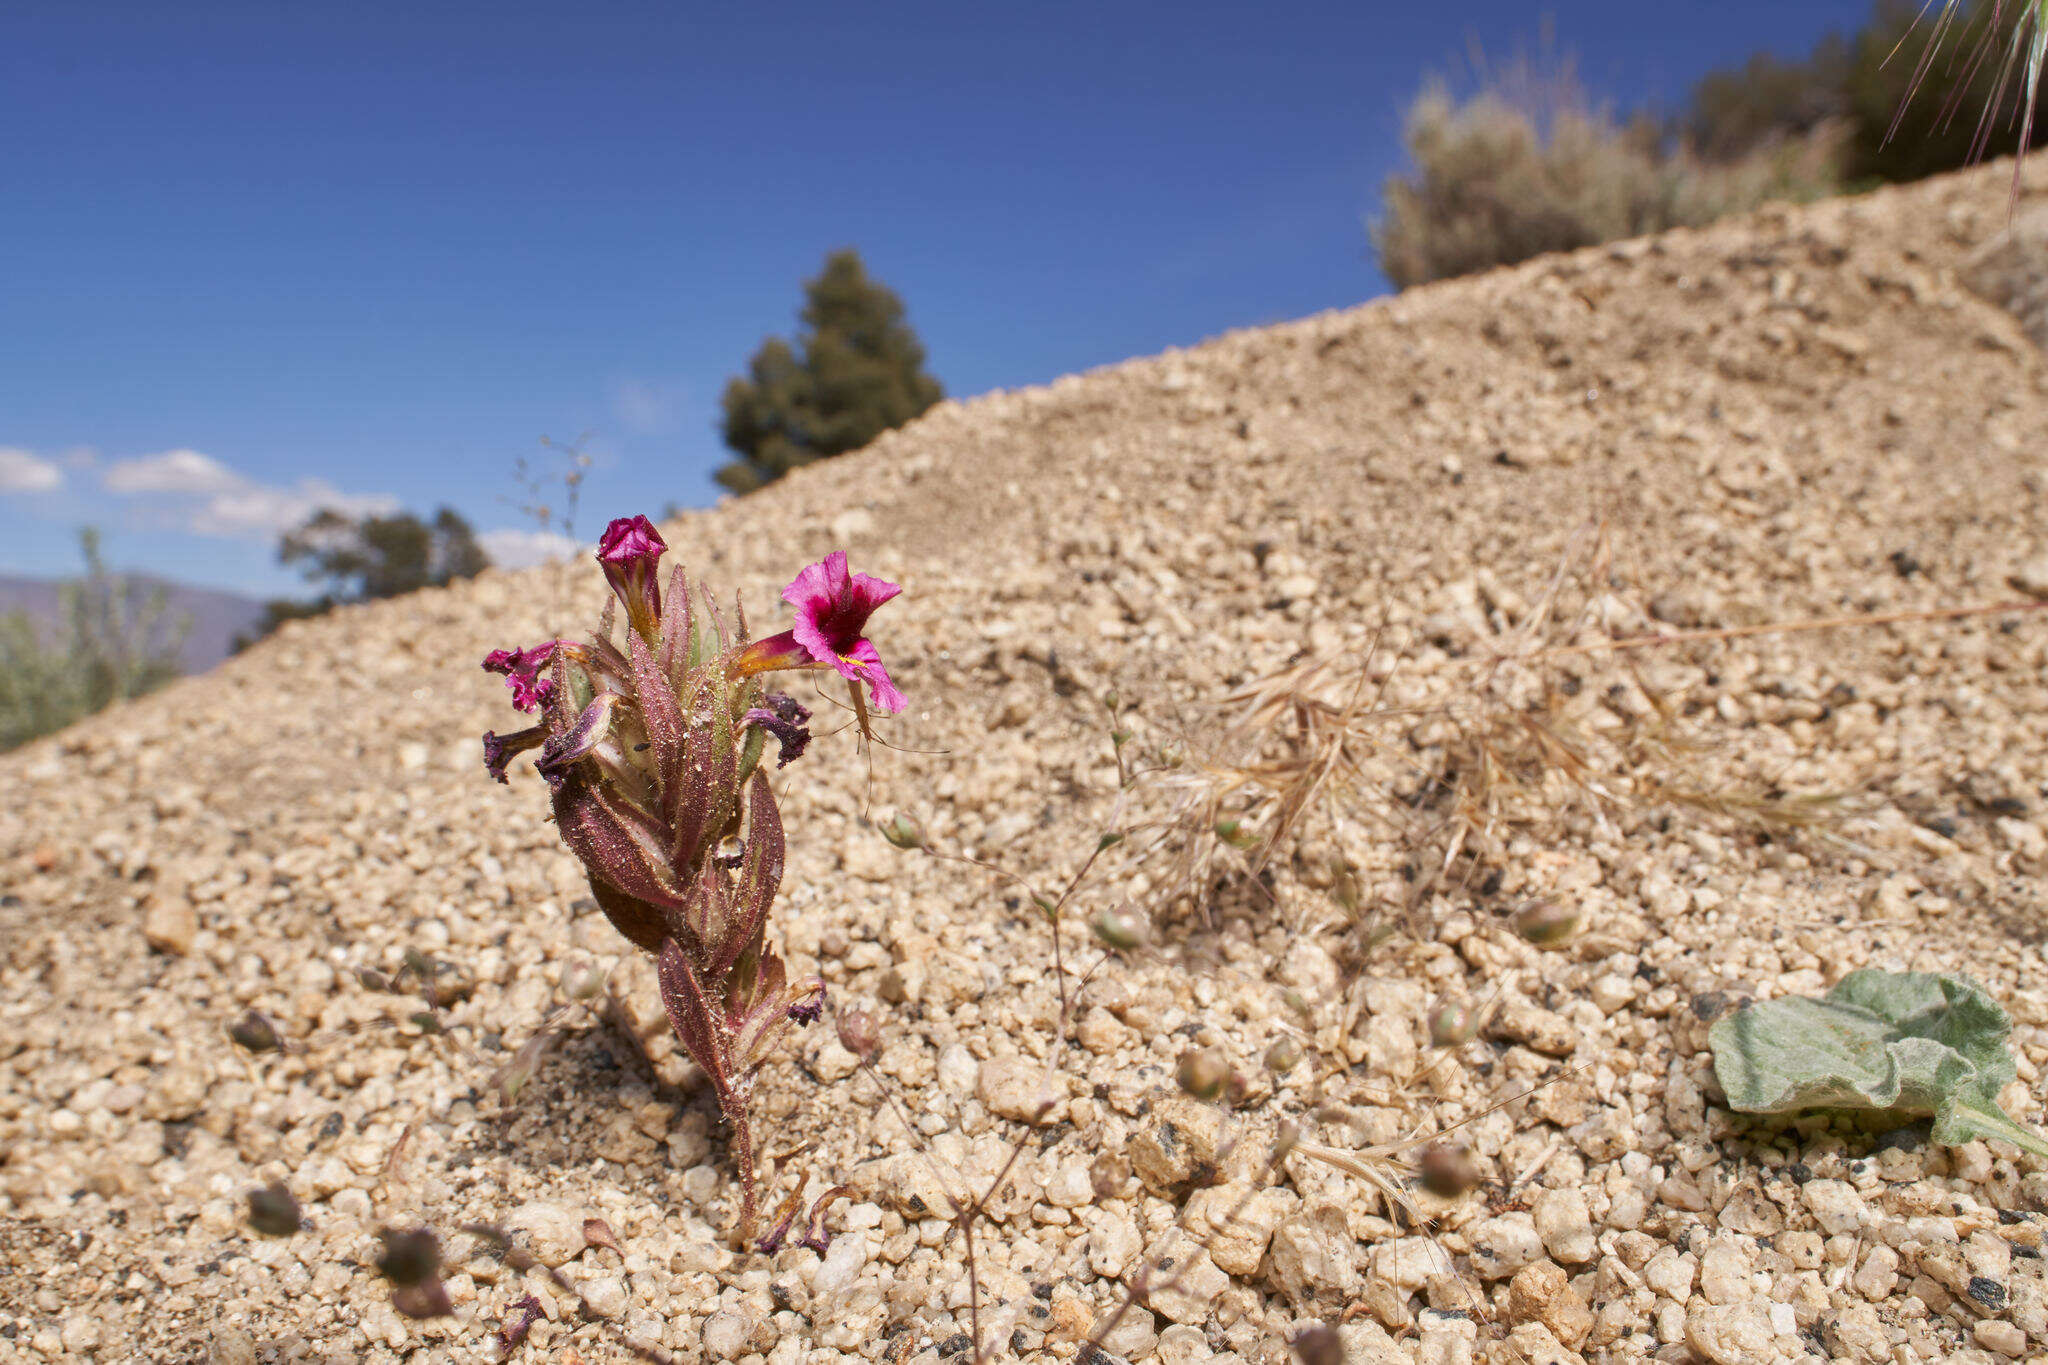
(653,748)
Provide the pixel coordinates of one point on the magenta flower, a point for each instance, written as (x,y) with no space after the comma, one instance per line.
(521,668)
(832,609)
(630,550)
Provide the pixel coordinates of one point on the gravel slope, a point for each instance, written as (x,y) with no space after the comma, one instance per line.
(1794,414)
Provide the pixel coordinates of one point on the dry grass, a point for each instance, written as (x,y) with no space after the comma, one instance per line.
(1331,761)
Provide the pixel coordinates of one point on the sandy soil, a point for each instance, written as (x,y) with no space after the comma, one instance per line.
(1795,414)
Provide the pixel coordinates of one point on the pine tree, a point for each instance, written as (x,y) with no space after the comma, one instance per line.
(856,371)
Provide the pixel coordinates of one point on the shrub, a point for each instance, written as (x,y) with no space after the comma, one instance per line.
(1498,178)
(362,559)
(113,639)
(1920,89)
(1936,88)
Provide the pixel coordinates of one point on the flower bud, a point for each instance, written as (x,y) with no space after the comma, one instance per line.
(631,551)
(904,831)
(1452,1023)
(1283,1056)
(1545,922)
(859,1033)
(1123,929)
(1447,1171)
(1203,1072)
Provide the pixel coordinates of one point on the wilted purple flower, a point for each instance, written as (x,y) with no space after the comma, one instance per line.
(783,716)
(500,750)
(832,610)
(521,668)
(630,550)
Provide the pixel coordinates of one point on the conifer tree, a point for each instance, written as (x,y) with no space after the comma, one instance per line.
(855,371)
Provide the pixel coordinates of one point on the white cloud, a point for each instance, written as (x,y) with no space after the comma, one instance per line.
(647,409)
(171,471)
(258,512)
(213,500)
(22,472)
(513,548)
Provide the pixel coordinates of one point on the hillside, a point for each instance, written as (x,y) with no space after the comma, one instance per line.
(1795,414)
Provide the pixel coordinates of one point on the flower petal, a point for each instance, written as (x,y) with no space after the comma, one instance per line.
(862,664)
(820,585)
(871,592)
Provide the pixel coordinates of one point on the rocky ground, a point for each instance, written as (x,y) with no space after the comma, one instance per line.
(1795,414)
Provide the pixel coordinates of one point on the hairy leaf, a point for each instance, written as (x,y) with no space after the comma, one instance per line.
(1910,1042)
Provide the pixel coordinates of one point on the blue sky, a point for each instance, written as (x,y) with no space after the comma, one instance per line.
(260,256)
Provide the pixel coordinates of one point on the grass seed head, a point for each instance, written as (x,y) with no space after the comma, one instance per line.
(1546,921)
(1204,1072)
(1283,1056)
(1121,928)
(1452,1023)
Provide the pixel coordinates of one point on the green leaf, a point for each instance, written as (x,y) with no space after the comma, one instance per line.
(1909,1042)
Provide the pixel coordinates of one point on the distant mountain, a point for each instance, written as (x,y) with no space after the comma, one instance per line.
(215,617)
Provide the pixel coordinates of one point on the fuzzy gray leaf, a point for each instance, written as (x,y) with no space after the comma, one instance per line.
(1910,1042)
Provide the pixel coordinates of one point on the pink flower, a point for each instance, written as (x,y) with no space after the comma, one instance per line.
(521,668)
(832,609)
(630,549)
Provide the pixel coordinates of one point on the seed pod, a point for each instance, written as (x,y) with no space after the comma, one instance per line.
(408,1258)
(1452,1023)
(1345,887)
(1447,1171)
(1105,1176)
(859,1034)
(1545,922)
(904,831)
(583,980)
(1119,928)
(372,979)
(1285,1141)
(1203,1072)
(254,1033)
(272,1210)
(1283,1056)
